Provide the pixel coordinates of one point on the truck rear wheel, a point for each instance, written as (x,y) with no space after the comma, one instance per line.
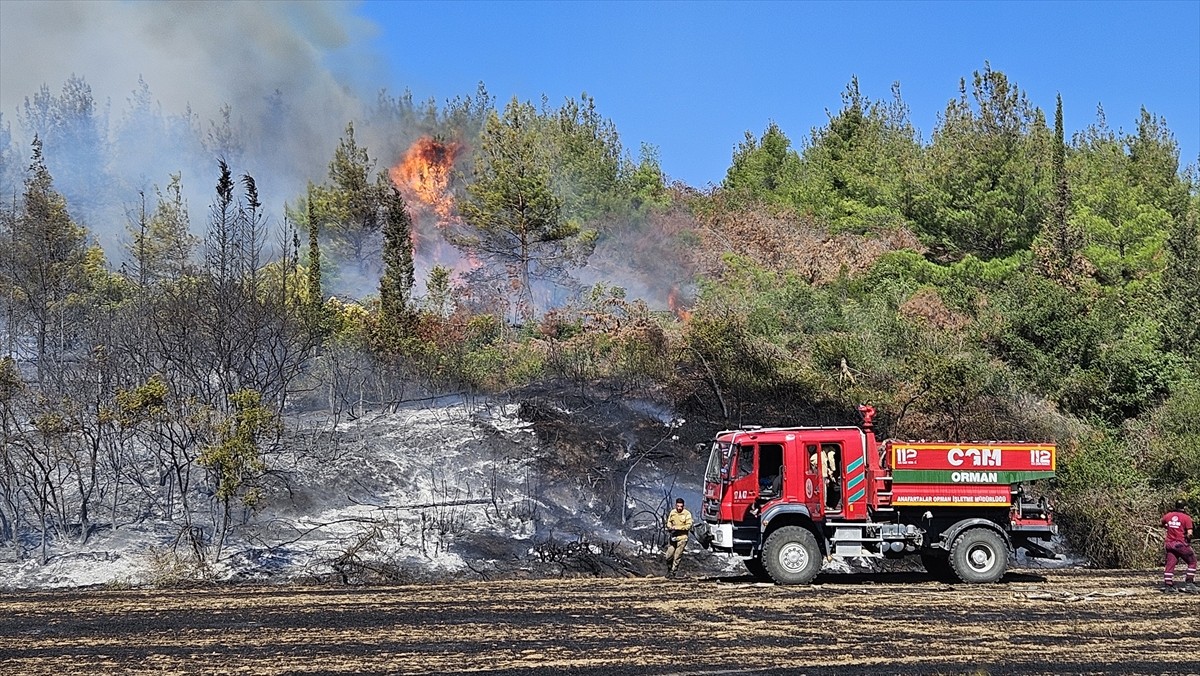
(979,556)
(791,555)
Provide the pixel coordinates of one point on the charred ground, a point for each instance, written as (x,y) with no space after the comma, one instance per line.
(1043,622)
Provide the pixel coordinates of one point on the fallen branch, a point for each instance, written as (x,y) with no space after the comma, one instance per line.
(1070,597)
(447,503)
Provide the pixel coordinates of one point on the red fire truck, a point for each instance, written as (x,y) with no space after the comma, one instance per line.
(787,498)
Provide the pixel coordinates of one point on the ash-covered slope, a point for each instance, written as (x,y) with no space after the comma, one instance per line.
(546,484)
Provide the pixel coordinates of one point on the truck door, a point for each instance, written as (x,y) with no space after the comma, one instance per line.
(814,481)
(839,461)
(744,485)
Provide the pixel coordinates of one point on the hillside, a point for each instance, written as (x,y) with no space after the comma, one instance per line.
(226,377)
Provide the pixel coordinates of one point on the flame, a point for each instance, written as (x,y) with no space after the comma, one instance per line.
(676,304)
(423,176)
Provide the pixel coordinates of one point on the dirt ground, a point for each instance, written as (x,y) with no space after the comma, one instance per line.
(1033,622)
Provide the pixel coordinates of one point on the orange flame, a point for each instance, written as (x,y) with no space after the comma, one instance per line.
(423,176)
(676,304)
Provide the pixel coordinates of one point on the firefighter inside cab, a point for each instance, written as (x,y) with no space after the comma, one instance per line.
(823,462)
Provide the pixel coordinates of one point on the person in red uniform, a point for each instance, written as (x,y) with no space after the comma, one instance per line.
(1178,546)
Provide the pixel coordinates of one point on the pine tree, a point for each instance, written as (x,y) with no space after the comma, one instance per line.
(986,180)
(250,229)
(350,206)
(766,169)
(515,222)
(1181,280)
(46,266)
(161,244)
(437,288)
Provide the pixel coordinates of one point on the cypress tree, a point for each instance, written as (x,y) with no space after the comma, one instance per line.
(396,283)
(314,256)
(1060,249)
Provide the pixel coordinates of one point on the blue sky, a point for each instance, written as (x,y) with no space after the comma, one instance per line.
(693,77)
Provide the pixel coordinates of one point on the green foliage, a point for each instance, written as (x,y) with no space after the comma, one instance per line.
(647,183)
(351,208)
(145,401)
(235,459)
(956,386)
(1051,295)
(1125,229)
(396,283)
(345,323)
(313,275)
(438,288)
(606,337)
(584,154)
(44,271)
(1106,505)
(1181,281)
(1154,164)
(500,366)
(749,334)
(1091,353)
(1060,243)
(1172,436)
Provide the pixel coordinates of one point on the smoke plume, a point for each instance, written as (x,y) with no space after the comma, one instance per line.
(288,73)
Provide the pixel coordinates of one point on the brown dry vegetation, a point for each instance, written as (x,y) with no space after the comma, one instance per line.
(1056,622)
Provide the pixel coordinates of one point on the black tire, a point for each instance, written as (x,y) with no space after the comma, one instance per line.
(938,566)
(979,556)
(791,555)
(756,568)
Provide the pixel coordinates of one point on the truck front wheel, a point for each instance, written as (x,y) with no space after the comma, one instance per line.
(979,556)
(791,555)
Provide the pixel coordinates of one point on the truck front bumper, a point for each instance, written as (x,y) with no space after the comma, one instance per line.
(722,536)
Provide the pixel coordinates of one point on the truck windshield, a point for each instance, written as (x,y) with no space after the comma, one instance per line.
(718,462)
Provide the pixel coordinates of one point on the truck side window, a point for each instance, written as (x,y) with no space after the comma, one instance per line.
(745,461)
(770,469)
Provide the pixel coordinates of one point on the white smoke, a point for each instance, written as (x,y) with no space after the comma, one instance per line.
(292,74)
(202,54)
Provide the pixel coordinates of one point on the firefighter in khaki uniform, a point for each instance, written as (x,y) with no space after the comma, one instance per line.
(679,524)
